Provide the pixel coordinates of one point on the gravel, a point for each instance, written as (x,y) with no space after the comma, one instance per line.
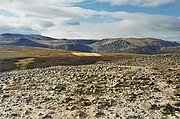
(144,87)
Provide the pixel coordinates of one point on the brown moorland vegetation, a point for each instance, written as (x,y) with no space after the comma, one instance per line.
(17,58)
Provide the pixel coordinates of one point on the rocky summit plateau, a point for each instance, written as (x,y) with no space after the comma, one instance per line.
(143,87)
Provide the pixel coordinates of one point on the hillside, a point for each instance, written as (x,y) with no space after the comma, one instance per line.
(170,50)
(135,45)
(27,42)
(144,87)
(13,37)
(45,42)
(111,45)
(16,57)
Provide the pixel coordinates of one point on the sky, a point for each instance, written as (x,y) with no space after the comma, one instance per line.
(92,19)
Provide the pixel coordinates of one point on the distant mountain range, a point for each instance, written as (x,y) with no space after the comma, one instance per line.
(133,45)
(46,42)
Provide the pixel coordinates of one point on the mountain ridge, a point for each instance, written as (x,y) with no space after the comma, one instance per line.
(27,42)
(134,45)
(114,45)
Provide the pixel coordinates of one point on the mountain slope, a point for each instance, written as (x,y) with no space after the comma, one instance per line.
(142,45)
(133,45)
(84,41)
(170,50)
(9,36)
(45,42)
(73,46)
(27,42)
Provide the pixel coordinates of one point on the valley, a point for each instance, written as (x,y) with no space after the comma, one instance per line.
(107,45)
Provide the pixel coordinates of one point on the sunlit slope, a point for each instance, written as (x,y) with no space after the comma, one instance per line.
(134,45)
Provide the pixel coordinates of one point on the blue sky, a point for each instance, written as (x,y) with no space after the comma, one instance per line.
(92,19)
(170,9)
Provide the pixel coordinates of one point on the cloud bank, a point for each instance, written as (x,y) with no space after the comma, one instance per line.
(61,19)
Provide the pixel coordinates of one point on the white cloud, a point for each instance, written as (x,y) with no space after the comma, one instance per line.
(44,8)
(41,14)
(17,22)
(129,25)
(58,18)
(144,3)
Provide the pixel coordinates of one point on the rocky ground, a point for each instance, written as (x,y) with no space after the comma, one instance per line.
(144,87)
